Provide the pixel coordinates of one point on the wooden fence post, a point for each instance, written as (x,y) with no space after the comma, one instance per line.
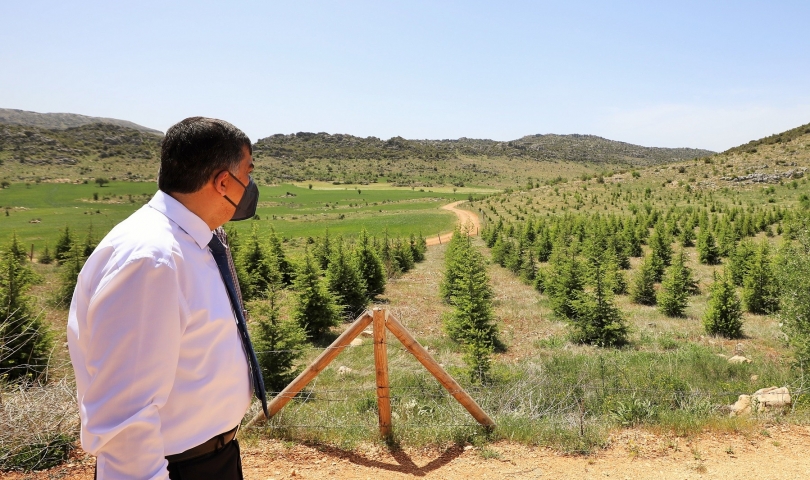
(381,366)
(434,368)
(301,381)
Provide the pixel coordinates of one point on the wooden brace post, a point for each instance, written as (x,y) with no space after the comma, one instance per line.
(301,381)
(434,368)
(381,366)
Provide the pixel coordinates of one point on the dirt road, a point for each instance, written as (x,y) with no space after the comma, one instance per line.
(773,452)
(464,217)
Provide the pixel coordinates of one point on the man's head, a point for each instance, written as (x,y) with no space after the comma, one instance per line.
(205,164)
(195,150)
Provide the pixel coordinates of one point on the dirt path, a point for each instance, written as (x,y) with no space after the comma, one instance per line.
(773,452)
(464,217)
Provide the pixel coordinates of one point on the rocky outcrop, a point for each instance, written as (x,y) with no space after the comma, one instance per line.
(763,400)
(767,177)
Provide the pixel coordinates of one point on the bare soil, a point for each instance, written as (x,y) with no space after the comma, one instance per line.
(464,217)
(774,452)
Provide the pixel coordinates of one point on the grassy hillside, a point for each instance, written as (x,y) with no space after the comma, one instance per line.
(31,154)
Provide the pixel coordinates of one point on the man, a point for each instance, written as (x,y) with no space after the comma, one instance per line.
(164,366)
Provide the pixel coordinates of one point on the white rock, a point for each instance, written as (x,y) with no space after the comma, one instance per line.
(343,370)
(738,359)
(764,400)
(356,342)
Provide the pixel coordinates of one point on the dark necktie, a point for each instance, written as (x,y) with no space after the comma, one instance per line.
(221,257)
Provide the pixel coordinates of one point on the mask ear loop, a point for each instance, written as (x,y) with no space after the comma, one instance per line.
(237,181)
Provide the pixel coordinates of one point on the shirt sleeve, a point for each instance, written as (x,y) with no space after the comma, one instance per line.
(134,322)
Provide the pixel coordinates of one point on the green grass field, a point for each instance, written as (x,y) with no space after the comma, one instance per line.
(38,212)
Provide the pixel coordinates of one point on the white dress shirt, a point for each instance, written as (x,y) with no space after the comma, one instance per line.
(159,364)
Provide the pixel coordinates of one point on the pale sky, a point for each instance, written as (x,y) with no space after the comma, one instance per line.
(703,74)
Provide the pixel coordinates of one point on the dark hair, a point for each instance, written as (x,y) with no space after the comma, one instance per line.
(195,149)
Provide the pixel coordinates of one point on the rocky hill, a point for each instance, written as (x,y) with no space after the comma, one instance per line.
(577,148)
(62,121)
(98,149)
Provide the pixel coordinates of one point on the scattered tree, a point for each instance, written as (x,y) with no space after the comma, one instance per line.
(314,306)
(724,312)
(25,340)
(345,282)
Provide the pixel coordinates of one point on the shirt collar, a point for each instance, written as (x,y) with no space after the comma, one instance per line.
(183,217)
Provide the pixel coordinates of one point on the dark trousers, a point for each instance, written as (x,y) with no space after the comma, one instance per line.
(224,464)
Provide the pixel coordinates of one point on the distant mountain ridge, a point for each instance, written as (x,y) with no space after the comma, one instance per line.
(577,148)
(62,121)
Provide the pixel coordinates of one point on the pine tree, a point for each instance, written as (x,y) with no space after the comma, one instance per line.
(276,256)
(760,293)
(478,357)
(46,258)
(739,261)
(278,343)
(345,282)
(322,250)
(472,300)
(69,274)
(386,254)
(458,244)
(596,320)
(794,282)
(314,307)
(565,281)
(708,253)
(255,272)
(369,265)
(234,240)
(687,236)
(643,289)
(471,322)
(501,250)
(63,246)
(16,249)
(25,340)
(402,256)
(673,297)
(418,247)
(89,243)
(528,270)
(661,245)
(724,312)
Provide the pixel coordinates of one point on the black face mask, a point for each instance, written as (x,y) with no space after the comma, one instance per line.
(247,205)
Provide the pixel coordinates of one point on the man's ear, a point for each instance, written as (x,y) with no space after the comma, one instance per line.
(220,182)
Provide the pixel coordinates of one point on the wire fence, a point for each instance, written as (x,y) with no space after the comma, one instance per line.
(573,395)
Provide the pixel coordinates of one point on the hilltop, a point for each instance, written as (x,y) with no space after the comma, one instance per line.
(349,159)
(61,121)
